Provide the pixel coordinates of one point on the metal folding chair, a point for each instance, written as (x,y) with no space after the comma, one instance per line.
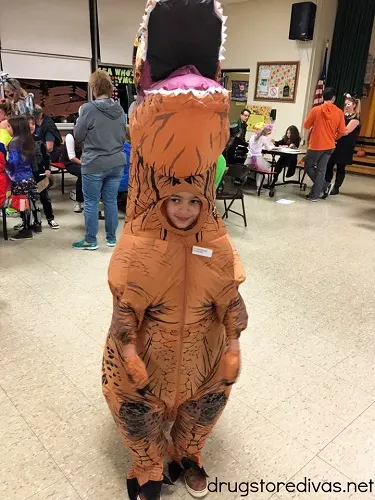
(231,189)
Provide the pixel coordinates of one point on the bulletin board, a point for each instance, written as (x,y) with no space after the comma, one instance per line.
(276,81)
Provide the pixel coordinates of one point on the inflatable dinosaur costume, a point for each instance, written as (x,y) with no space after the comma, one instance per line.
(175,292)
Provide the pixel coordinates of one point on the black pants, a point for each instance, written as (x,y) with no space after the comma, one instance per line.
(75,169)
(340,172)
(45,200)
(285,162)
(55,155)
(34,210)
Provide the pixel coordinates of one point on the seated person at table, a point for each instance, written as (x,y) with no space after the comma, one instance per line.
(71,157)
(48,133)
(42,175)
(259,141)
(292,140)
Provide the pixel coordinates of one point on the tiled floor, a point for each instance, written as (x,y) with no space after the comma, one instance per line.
(304,403)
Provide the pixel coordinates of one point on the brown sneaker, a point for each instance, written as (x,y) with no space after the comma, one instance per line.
(196,482)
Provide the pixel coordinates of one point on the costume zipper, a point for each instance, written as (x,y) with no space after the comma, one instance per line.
(181,332)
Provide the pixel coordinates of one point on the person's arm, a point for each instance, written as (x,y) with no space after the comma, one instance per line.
(267,143)
(342,127)
(279,143)
(352,125)
(83,124)
(30,103)
(46,159)
(124,328)
(13,161)
(309,122)
(235,321)
(70,149)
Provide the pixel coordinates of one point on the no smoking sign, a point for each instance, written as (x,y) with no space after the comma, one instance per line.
(274,92)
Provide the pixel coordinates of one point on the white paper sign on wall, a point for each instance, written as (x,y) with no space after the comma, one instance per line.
(273,92)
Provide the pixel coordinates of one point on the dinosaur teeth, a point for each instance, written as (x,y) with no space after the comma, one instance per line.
(196,93)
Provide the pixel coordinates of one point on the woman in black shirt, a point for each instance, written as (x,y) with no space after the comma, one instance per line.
(343,154)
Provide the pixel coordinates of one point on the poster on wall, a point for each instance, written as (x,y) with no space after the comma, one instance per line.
(277,81)
(240,90)
(258,114)
(123,83)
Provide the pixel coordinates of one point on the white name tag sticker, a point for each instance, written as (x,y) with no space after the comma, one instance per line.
(203,252)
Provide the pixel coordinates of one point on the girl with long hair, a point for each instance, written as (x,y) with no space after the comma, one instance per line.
(22,102)
(19,167)
(343,154)
(291,139)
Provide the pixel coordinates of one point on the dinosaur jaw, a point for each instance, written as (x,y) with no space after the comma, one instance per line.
(186,80)
(199,24)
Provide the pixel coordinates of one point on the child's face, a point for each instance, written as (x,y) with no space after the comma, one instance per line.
(3,116)
(9,93)
(183,209)
(32,126)
(288,134)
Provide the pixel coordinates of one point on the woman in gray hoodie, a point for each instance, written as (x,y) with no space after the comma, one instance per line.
(101,129)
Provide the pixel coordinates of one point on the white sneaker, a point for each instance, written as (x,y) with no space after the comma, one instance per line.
(53,224)
(19,226)
(77,207)
(196,493)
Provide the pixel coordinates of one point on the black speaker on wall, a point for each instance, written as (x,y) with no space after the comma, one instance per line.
(302,22)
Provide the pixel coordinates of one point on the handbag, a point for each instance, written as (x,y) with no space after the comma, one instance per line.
(43,184)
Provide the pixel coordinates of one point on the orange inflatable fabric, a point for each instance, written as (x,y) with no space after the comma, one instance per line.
(175,291)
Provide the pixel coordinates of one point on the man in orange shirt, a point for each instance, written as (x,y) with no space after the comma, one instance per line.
(327,122)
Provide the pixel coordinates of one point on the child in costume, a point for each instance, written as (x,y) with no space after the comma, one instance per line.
(259,141)
(4,179)
(19,167)
(5,138)
(172,351)
(22,102)
(42,173)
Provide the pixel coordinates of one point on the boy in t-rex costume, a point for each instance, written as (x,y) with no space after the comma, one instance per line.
(172,350)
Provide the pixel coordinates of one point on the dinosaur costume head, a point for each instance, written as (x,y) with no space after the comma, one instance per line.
(180,127)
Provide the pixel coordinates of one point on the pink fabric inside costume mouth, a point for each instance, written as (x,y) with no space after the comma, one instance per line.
(185,78)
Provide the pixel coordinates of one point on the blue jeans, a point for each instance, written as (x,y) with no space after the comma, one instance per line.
(101,186)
